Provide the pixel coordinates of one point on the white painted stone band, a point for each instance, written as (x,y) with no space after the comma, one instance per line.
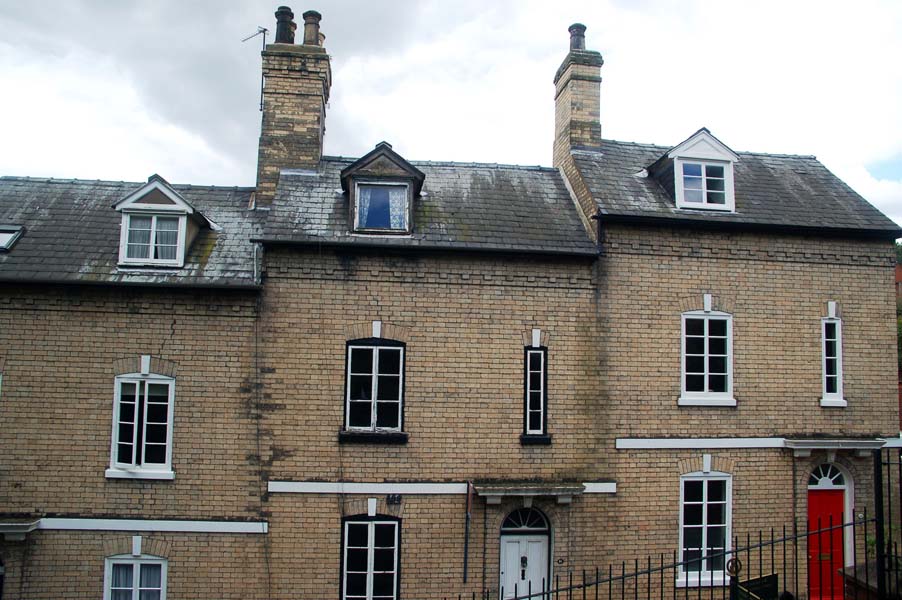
(154,525)
(327,487)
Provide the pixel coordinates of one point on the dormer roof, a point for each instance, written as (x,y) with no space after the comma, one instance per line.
(702,145)
(384,163)
(158,196)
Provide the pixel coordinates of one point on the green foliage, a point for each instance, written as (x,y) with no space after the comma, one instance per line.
(898,253)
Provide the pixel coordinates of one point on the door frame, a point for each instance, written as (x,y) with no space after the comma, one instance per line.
(519,533)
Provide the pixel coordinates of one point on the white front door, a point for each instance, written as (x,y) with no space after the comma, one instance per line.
(524,563)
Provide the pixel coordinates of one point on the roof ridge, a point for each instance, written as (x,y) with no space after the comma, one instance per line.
(111,182)
(451,163)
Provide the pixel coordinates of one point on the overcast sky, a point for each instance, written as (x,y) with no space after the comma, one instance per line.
(121,89)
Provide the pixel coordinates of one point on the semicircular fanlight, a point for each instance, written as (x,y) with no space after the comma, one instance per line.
(826,475)
(525,519)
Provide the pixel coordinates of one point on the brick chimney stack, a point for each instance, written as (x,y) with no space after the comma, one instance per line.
(296,83)
(577,122)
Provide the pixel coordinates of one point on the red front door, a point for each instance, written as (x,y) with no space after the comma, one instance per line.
(825,549)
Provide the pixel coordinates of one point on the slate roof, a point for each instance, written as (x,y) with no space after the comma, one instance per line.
(772,191)
(72,235)
(467,206)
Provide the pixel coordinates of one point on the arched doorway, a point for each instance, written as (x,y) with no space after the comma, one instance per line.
(829,507)
(525,540)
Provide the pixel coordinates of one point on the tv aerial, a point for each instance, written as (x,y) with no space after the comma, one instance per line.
(263,31)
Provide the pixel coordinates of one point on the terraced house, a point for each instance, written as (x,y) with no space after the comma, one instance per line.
(387,378)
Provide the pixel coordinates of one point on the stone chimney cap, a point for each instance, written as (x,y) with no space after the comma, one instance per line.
(311,28)
(577,36)
(285,25)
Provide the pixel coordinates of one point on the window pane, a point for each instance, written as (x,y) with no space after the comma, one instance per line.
(360,414)
(715,185)
(693,490)
(361,360)
(389,361)
(374,207)
(716,514)
(831,385)
(695,327)
(717,490)
(121,595)
(692,183)
(122,576)
(384,559)
(717,327)
(155,454)
(716,537)
(714,171)
(535,361)
(715,563)
(830,347)
(535,400)
(830,330)
(717,364)
(150,576)
(361,387)
(124,453)
(695,364)
(535,381)
(535,421)
(717,383)
(383,585)
(695,383)
(167,224)
(385,535)
(693,169)
(126,433)
(831,366)
(692,538)
(694,563)
(716,198)
(158,392)
(389,387)
(126,412)
(692,514)
(157,413)
(357,535)
(149,595)
(356,560)
(387,415)
(692,196)
(356,584)
(695,345)
(156,434)
(717,346)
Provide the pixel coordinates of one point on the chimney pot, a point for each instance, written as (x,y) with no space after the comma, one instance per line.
(311,28)
(577,36)
(285,25)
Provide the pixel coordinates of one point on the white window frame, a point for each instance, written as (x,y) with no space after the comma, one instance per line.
(14,232)
(729,204)
(543,371)
(694,398)
(119,470)
(834,399)
(407,216)
(376,348)
(179,259)
(136,562)
(705,578)
(371,540)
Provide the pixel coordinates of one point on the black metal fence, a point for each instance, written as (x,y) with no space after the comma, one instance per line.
(812,561)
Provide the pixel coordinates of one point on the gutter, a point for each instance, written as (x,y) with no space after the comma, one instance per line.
(593,253)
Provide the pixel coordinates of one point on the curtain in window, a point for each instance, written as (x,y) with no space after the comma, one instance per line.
(138,237)
(151,582)
(363,204)
(121,588)
(167,238)
(397,199)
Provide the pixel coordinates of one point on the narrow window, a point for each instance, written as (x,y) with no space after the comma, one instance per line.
(370,561)
(707,358)
(142,424)
(535,391)
(130,578)
(831,329)
(705,508)
(375,385)
(382,207)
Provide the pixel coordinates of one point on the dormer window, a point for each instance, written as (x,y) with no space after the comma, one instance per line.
(158,226)
(381,188)
(700,171)
(382,206)
(704,185)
